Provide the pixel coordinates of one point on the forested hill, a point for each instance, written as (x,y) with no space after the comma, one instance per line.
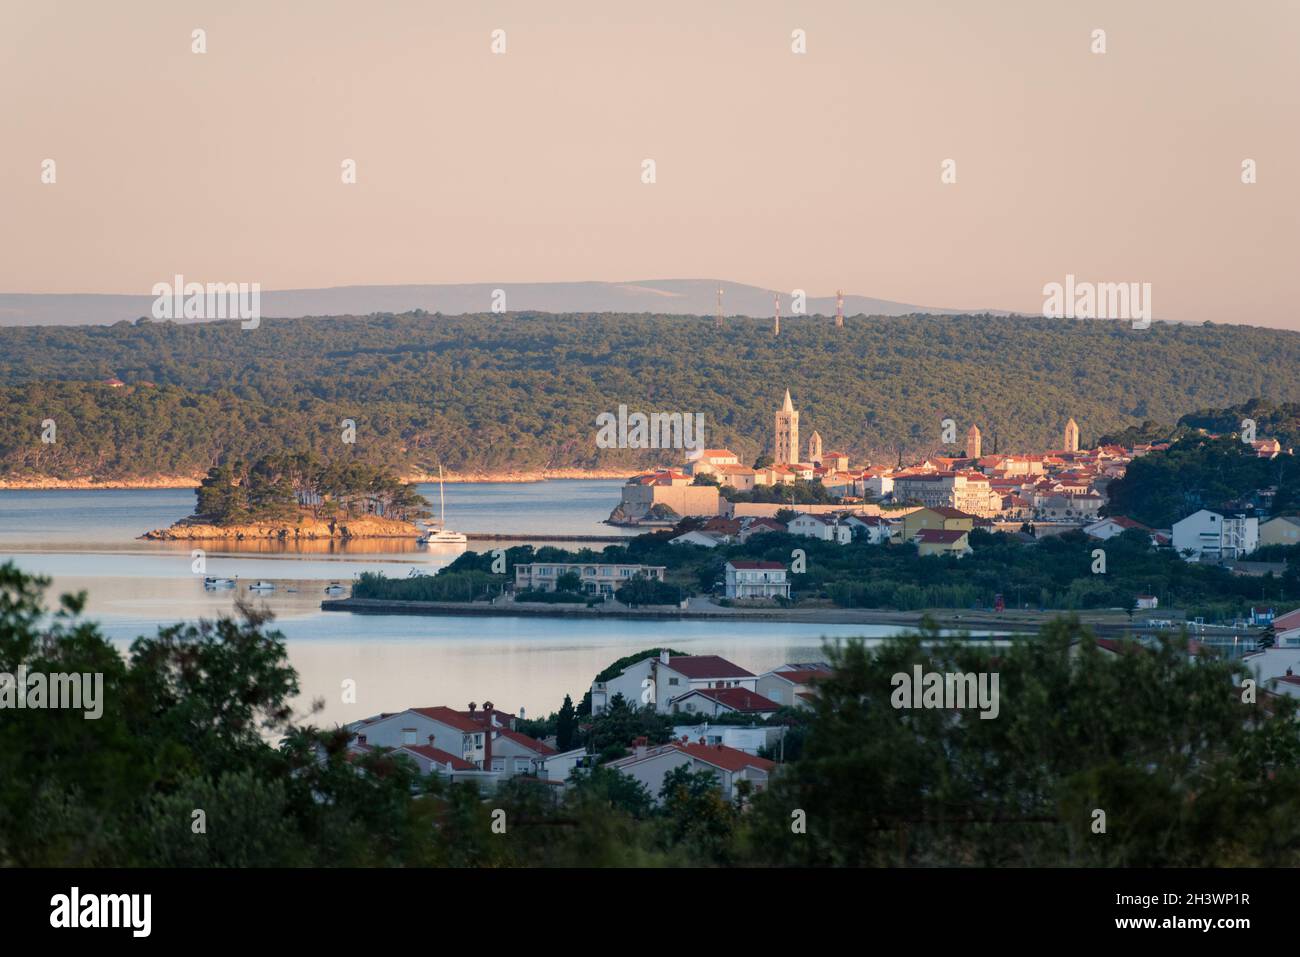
(497,392)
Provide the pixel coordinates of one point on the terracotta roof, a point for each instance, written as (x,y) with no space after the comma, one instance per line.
(939,536)
(801,676)
(453,719)
(439,756)
(531,744)
(707,666)
(948,512)
(729,759)
(737,699)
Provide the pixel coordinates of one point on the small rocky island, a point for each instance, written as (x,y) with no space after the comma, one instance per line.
(299,498)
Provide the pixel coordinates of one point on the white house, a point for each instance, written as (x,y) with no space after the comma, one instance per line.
(823,527)
(696,537)
(748,579)
(650,765)
(792,685)
(716,701)
(748,738)
(874,529)
(1209,536)
(661,679)
(437,737)
(1114,525)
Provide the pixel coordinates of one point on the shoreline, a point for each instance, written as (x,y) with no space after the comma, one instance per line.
(1109,625)
(521,476)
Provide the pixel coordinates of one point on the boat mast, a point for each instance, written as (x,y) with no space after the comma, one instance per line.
(442,502)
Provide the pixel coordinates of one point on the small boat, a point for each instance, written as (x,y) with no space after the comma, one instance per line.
(334,588)
(218,583)
(442,535)
(261,586)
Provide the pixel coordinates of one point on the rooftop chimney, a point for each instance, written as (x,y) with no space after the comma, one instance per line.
(663,656)
(472,707)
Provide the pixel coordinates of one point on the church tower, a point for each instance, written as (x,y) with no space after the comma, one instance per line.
(973,442)
(787,433)
(1072,436)
(815,448)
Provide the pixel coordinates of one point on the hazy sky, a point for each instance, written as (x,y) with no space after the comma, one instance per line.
(811,171)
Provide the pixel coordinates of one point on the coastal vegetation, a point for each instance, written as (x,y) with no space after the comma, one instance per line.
(1055,572)
(491,393)
(1221,474)
(283,487)
(1189,770)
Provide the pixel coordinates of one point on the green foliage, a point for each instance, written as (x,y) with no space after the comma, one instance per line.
(648,591)
(1186,773)
(480,392)
(1199,472)
(447,585)
(271,489)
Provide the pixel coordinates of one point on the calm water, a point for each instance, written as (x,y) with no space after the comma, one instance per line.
(86,541)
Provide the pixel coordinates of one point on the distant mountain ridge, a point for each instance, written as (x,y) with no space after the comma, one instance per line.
(657,296)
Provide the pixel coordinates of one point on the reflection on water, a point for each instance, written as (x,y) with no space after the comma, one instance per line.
(86,541)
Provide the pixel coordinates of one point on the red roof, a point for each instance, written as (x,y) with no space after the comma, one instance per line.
(532,744)
(729,759)
(939,536)
(438,755)
(801,676)
(452,719)
(707,666)
(748,566)
(737,699)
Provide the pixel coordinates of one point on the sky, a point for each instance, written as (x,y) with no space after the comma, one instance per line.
(819,170)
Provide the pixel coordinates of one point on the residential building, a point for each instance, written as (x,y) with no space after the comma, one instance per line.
(934,541)
(650,765)
(874,529)
(826,528)
(597,578)
(937,517)
(659,679)
(1210,536)
(749,579)
(717,701)
(792,685)
(445,740)
(968,491)
(748,738)
(1282,530)
(1107,528)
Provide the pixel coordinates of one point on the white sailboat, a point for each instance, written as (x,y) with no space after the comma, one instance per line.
(442,535)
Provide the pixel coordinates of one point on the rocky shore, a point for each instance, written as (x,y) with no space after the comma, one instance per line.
(306,529)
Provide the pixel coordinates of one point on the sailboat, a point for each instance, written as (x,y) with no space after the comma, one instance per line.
(441,535)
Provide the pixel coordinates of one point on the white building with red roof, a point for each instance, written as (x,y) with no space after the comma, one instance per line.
(660,679)
(717,701)
(729,766)
(482,740)
(793,685)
